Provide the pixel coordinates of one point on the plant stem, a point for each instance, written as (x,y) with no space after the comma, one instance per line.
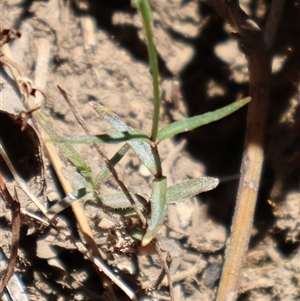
(145,11)
(260,75)
(257,45)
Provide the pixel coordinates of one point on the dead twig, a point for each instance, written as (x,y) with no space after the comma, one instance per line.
(9,35)
(20,181)
(257,45)
(15,229)
(165,262)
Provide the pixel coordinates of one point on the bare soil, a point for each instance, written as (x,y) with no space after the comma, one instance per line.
(95,51)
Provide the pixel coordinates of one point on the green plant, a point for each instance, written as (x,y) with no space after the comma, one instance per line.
(145,147)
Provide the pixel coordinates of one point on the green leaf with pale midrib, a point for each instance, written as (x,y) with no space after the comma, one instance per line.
(175,193)
(141,148)
(194,122)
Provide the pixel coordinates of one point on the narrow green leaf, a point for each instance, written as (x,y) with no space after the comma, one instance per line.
(141,148)
(137,233)
(78,195)
(68,150)
(120,201)
(105,172)
(135,3)
(128,213)
(115,137)
(83,191)
(191,123)
(117,202)
(158,209)
(190,188)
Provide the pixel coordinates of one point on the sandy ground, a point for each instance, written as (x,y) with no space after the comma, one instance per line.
(95,51)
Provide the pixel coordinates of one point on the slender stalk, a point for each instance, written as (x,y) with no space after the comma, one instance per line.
(145,11)
(166,268)
(258,48)
(260,78)
(272,24)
